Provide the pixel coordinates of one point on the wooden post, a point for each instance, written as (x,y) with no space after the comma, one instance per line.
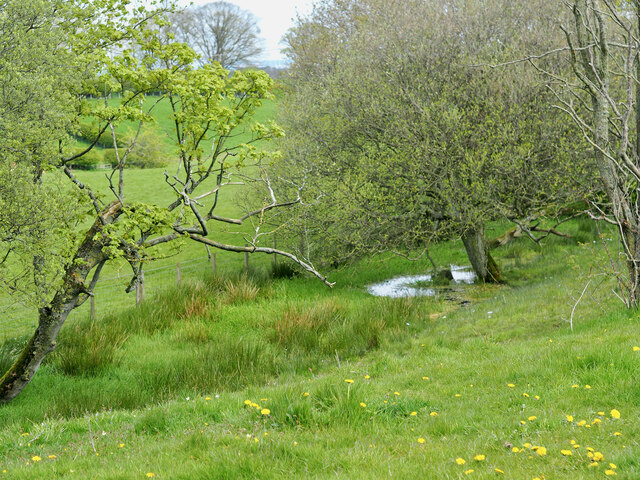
(92,302)
(213,264)
(179,274)
(246,260)
(275,255)
(140,289)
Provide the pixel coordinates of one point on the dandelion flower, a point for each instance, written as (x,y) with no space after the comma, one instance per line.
(499,471)
(413,414)
(596,421)
(515,450)
(566,453)
(121,445)
(522,422)
(396,394)
(610,472)
(532,418)
(248,402)
(52,457)
(36,458)
(587,387)
(457,395)
(569,418)
(615,413)
(265,411)
(467,472)
(305,394)
(479,458)
(421,440)
(434,414)
(510,385)
(541,451)
(425,378)
(613,465)
(151,474)
(348,380)
(460,461)
(575,386)
(367,377)
(617,434)
(363,405)
(636,349)
(527,445)
(598,457)
(601,414)
(582,423)
(525,394)
(576,446)
(537,397)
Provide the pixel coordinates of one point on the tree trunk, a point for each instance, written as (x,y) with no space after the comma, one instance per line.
(52,317)
(481,260)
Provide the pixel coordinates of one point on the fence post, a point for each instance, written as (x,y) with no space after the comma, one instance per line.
(246,260)
(213,263)
(92,302)
(179,274)
(140,288)
(275,255)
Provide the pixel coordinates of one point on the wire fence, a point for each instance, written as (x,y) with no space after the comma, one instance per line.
(17,320)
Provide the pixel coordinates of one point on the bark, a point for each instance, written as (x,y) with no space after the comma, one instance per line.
(71,294)
(481,260)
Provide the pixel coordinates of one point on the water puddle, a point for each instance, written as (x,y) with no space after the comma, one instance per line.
(418,285)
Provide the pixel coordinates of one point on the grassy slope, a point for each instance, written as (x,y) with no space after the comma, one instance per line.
(219,344)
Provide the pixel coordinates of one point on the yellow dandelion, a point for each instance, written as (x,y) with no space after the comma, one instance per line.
(589,449)
(248,402)
(256,440)
(617,434)
(525,394)
(460,461)
(575,386)
(572,442)
(569,418)
(434,414)
(36,458)
(566,453)
(582,423)
(515,450)
(636,349)
(598,457)
(425,378)
(499,471)
(367,377)
(537,397)
(421,440)
(593,464)
(532,418)
(207,398)
(596,421)
(522,422)
(468,472)
(457,395)
(609,473)
(413,414)
(587,387)
(305,394)
(541,451)
(265,411)
(396,394)
(363,405)
(479,458)
(615,413)
(601,414)
(121,445)
(510,385)
(613,465)
(25,434)
(52,457)
(151,474)
(348,380)
(527,445)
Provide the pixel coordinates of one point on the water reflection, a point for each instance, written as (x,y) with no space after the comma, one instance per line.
(413,285)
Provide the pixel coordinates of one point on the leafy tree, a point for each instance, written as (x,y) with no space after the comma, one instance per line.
(406,140)
(220,32)
(209,108)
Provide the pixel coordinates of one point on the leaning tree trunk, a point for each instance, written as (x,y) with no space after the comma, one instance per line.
(481,260)
(52,316)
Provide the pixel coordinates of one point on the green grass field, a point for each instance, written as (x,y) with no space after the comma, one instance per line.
(255,378)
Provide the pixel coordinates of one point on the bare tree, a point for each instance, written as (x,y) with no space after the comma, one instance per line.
(219,32)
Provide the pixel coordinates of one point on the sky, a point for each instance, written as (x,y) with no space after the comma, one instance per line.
(274,19)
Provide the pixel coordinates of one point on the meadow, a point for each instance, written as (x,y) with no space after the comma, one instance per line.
(251,377)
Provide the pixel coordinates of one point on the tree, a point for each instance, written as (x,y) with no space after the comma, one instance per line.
(603,98)
(406,139)
(209,108)
(220,32)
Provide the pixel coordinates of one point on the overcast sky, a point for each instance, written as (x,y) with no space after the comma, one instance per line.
(274,19)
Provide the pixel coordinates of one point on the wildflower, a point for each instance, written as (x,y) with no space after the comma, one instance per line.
(52,457)
(601,414)
(537,397)
(121,445)
(576,446)
(457,395)
(525,394)
(587,387)
(527,445)
(613,465)
(593,464)
(348,380)
(36,458)
(596,421)
(515,450)
(467,472)
(305,394)
(575,386)
(421,440)
(25,434)
(265,411)
(367,377)
(569,418)
(636,349)
(510,385)
(248,402)
(582,423)
(460,461)
(617,434)
(572,442)
(425,378)
(434,414)
(598,457)
(413,414)
(363,405)
(589,449)
(479,458)
(151,474)
(396,393)
(566,453)
(532,418)
(541,451)
(615,413)
(499,471)
(610,472)
(207,398)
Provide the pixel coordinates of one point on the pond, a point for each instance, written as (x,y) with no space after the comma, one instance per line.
(418,285)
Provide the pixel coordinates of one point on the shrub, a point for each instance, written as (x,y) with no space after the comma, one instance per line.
(88,161)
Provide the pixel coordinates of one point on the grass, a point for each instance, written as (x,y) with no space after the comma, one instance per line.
(163,389)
